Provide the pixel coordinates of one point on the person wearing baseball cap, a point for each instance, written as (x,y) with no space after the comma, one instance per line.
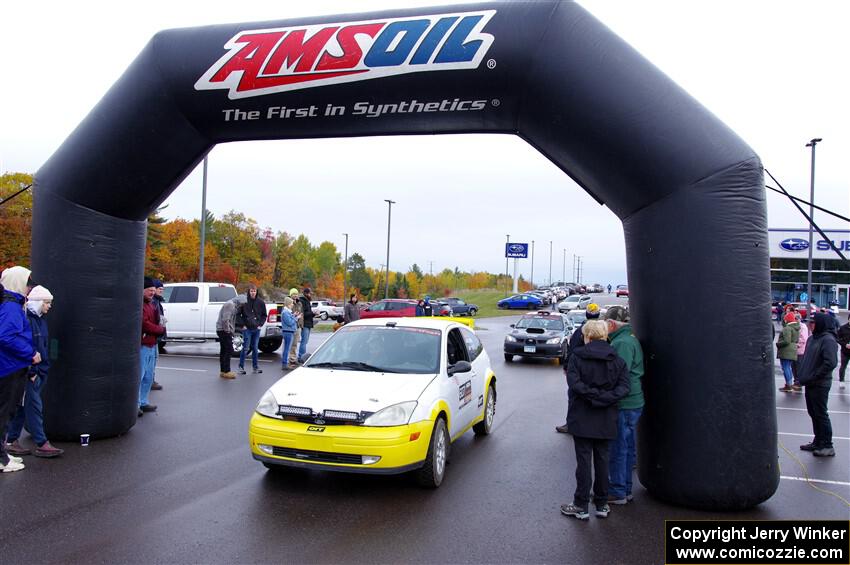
(298,312)
(151,328)
(576,341)
(307,313)
(623,450)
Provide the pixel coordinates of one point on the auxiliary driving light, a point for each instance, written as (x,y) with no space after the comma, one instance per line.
(370,459)
(267,449)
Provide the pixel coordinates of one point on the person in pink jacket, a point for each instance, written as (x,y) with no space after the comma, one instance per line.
(801,350)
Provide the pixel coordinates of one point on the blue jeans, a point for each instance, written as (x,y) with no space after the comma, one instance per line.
(786,371)
(287,343)
(623,454)
(31,413)
(250,340)
(148,356)
(305,337)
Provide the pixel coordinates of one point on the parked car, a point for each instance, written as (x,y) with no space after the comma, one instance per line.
(379,397)
(596,287)
(622,290)
(575,302)
(542,334)
(325,309)
(401,308)
(191,309)
(460,307)
(545,296)
(525,301)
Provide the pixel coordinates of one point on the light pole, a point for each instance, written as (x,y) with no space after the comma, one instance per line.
(550,262)
(345,271)
(532,263)
(389,218)
(203,221)
(507,241)
(564,273)
(811,144)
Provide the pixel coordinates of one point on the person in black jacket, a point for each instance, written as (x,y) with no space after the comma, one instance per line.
(576,341)
(306,297)
(844,346)
(253,315)
(597,379)
(815,374)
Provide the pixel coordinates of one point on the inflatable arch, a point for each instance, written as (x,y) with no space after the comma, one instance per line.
(688,191)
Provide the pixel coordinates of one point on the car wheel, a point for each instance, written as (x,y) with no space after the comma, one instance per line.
(270,345)
(485,426)
(472,311)
(509,358)
(432,472)
(532,306)
(323,315)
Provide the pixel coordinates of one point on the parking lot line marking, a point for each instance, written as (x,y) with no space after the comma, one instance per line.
(807,435)
(179,369)
(805,480)
(782,380)
(210,356)
(804,410)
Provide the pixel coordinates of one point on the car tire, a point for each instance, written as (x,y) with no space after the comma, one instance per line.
(472,311)
(532,306)
(434,470)
(270,345)
(509,358)
(485,426)
(323,315)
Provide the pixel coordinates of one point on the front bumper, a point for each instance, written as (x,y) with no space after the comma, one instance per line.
(339,448)
(546,351)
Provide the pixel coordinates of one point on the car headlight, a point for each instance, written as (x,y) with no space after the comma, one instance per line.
(510,338)
(395,415)
(268,406)
(554,340)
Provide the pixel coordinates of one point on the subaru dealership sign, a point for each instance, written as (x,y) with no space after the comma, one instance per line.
(516,250)
(794,243)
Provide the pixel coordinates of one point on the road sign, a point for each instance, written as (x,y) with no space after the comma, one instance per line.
(516,250)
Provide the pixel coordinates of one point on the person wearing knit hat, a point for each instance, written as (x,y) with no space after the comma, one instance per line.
(151,328)
(577,340)
(786,349)
(31,413)
(17,352)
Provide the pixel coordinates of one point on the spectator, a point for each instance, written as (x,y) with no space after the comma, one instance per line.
(787,349)
(288,327)
(609,288)
(623,449)
(151,328)
(420,307)
(576,341)
(298,312)
(339,321)
(816,375)
(225,327)
(307,313)
(17,353)
(160,340)
(844,346)
(39,304)
(351,313)
(597,379)
(801,350)
(427,309)
(253,315)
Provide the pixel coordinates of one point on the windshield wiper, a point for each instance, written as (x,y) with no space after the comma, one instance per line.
(352,365)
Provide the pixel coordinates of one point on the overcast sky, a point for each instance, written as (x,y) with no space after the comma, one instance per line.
(774,71)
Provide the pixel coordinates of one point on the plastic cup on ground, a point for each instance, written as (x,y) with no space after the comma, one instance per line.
(84,439)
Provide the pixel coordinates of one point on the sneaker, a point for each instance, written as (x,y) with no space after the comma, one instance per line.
(16,448)
(796,388)
(15,459)
(619,501)
(256,371)
(808,446)
(786,388)
(824,452)
(602,511)
(227,375)
(148,408)
(48,451)
(562,429)
(11,466)
(156,386)
(292,366)
(575,511)
(242,371)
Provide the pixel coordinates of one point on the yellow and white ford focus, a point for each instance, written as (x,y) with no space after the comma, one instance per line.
(381,396)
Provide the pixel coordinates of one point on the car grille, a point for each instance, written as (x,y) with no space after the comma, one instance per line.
(329,417)
(317,456)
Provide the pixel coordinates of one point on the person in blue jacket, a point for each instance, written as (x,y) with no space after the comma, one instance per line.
(39,303)
(17,352)
(288,327)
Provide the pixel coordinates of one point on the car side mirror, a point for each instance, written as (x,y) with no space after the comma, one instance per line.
(460,367)
(513,325)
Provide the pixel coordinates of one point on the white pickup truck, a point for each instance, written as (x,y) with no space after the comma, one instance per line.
(191,310)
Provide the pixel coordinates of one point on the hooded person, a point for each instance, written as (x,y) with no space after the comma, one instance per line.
(31,413)
(307,327)
(253,314)
(17,352)
(427,308)
(844,345)
(815,374)
(225,327)
(298,312)
(577,340)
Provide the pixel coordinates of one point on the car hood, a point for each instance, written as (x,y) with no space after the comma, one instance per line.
(354,391)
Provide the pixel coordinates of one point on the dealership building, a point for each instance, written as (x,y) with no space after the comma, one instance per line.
(789,263)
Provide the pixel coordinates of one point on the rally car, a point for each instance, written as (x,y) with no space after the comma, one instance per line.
(542,334)
(381,396)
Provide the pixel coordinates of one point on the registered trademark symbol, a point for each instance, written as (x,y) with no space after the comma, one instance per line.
(495,102)
(491,63)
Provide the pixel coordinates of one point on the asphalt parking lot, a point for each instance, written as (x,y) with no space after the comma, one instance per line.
(181,486)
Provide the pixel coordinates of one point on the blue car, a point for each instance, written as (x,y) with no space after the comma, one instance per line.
(522,301)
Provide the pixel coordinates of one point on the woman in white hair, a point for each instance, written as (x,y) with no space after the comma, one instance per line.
(38,304)
(16,353)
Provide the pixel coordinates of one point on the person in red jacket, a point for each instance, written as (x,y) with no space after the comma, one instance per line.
(151,329)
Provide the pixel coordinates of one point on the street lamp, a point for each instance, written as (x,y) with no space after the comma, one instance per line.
(345,271)
(811,144)
(564,273)
(389,217)
(532,263)
(507,240)
(550,263)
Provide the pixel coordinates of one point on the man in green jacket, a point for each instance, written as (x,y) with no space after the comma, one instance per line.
(623,451)
(787,349)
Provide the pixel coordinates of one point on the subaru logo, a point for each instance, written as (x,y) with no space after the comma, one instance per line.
(516,248)
(794,244)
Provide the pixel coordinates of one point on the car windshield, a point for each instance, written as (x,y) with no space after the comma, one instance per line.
(577,317)
(573,298)
(551,324)
(381,348)
(622,286)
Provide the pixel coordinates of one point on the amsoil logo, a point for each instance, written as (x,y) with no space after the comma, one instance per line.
(267,61)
